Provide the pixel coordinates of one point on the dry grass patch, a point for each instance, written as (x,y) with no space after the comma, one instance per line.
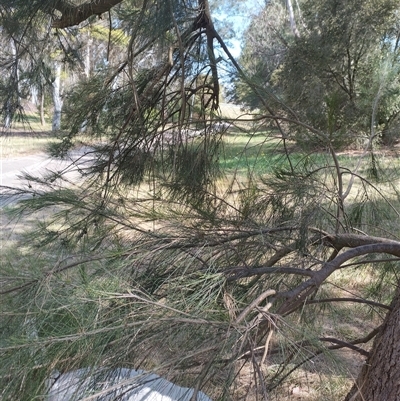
(23,144)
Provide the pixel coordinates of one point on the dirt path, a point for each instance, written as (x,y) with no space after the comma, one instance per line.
(13,168)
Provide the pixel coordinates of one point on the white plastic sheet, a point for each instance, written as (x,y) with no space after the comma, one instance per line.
(116,385)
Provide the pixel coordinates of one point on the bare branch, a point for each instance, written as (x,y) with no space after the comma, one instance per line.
(356,300)
(345,344)
(235,273)
(255,303)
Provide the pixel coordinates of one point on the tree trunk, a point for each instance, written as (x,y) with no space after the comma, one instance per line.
(293,25)
(88,61)
(379,379)
(41,108)
(13,100)
(56,125)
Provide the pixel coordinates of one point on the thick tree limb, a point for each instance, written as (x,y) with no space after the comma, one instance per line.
(73,15)
(345,240)
(298,295)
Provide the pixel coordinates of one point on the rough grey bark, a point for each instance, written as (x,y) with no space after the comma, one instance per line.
(75,14)
(379,379)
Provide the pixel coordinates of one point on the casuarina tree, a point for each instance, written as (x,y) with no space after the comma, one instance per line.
(167,246)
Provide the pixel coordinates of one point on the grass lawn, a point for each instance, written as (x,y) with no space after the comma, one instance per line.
(27,136)
(263,154)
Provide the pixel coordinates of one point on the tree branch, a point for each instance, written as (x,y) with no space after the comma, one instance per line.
(298,295)
(345,240)
(73,15)
(235,273)
(344,344)
(357,300)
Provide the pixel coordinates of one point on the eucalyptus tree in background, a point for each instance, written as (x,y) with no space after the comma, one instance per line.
(333,75)
(293,24)
(38,59)
(265,46)
(154,258)
(40,82)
